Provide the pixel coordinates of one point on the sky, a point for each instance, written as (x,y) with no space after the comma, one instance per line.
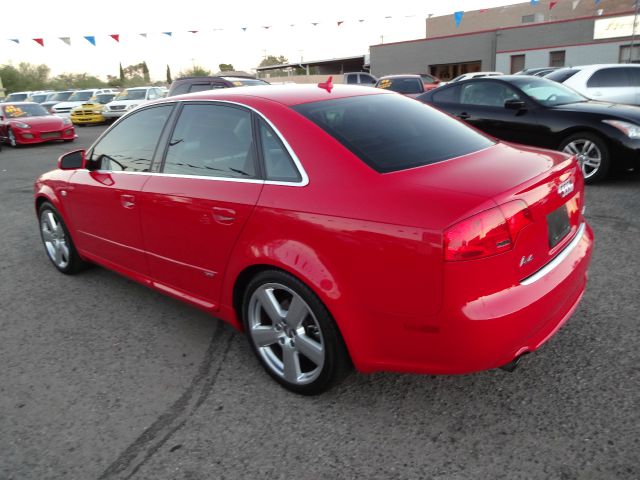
(220,37)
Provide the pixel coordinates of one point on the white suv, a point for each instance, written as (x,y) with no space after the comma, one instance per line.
(63,109)
(130,99)
(617,82)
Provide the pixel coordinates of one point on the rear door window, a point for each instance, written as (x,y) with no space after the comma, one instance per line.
(447,95)
(610,77)
(391,132)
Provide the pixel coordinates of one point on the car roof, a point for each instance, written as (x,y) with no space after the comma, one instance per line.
(285,94)
(19,103)
(605,65)
(400,75)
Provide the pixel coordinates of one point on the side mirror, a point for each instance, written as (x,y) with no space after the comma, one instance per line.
(73,160)
(514,104)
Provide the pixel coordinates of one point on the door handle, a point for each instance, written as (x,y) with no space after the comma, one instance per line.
(128,201)
(225,216)
(463,116)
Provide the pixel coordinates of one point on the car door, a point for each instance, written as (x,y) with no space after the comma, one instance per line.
(104,201)
(481,103)
(193,212)
(613,84)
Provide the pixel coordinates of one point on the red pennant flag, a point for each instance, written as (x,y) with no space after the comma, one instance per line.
(39,41)
(484,10)
(552,4)
(116,37)
(340,22)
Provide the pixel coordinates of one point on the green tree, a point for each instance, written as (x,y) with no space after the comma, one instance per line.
(270,60)
(195,71)
(226,67)
(169,80)
(25,76)
(121,75)
(145,72)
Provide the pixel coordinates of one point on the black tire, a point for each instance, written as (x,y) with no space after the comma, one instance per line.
(591,174)
(317,324)
(73,263)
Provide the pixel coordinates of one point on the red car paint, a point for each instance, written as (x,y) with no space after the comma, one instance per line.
(370,245)
(39,129)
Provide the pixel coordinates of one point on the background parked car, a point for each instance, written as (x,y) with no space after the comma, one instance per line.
(429,81)
(130,99)
(537,72)
(91,112)
(56,98)
(39,97)
(409,85)
(17,97)
(199,84)
(467,76)
(27,122)
(359,78)
(77,98)
(536,111)
(619,83)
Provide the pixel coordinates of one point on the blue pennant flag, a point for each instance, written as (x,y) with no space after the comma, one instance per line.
(91,39)
(168,34)
(458,18)
(15,40)
(534,2)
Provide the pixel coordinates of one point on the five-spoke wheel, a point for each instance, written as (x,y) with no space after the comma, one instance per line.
(292,333)
(56,240)
(592,154)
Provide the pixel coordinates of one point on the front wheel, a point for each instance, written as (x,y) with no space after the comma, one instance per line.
(292,333)
(12,138)
(592,154)
(57,241)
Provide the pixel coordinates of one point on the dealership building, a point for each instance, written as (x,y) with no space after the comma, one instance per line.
(514,37)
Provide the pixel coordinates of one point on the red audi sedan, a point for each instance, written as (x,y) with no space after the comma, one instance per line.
(24,123)
(335,226)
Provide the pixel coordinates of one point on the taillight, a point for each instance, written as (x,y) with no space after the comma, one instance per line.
(488,233)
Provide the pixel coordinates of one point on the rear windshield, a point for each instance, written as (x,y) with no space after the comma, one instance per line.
(561,75)
(391,132)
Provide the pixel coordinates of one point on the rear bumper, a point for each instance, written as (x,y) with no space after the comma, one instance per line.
(481,332)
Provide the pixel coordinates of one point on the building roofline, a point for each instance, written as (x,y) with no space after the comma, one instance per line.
(309,63)
(529,25)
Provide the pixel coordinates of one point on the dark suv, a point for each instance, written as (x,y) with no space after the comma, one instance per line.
(198,84)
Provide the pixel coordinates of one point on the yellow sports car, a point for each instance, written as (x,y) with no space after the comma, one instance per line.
(91,112)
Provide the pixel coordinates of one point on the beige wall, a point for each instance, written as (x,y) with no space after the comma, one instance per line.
(337,78)
(511,15)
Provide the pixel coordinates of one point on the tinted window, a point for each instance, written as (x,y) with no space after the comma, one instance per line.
(609,77)
(277,162)
(391,132)
(212,140)
(547,92)
(447,95)
(130,144)
(180,89)
(401,85)
(352,79)
(562,75)
(367,79)
(488,94)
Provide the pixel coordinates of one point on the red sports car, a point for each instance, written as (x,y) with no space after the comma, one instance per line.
(335,226)
(25,122)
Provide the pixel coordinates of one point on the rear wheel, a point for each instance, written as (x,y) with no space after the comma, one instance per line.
(592,154)
(57,241)
(292,334)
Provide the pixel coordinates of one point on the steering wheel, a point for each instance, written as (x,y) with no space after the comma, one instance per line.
(552,97)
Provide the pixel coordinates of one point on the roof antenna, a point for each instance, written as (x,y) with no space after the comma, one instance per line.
(328,85)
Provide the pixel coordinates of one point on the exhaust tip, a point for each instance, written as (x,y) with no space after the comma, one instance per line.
(513,364)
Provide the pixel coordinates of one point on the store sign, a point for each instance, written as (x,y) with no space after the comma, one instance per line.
(615,27)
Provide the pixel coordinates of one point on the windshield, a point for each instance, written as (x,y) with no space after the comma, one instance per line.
(401,85)
(131,95)
(60,96)
(39,98)
(16,97)
(392,132)
(81,96)
(548,93)
(24,110)
(104,98)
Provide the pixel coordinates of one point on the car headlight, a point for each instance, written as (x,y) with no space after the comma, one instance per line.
(66,121)
(21,125)
(131,107)
(631,130)
(105,109)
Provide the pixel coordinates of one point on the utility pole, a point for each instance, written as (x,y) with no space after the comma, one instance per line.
(633,35)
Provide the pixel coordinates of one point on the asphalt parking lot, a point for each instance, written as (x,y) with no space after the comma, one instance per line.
(102,378)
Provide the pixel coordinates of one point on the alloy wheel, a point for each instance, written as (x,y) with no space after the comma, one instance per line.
(286,334)
(12,138)
(588,154)
(55,239)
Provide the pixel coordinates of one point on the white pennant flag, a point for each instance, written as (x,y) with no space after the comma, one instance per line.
(575,3)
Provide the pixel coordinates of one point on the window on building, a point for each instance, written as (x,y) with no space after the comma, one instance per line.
(528,18)
(627,55)
(517,63)
(556,59)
